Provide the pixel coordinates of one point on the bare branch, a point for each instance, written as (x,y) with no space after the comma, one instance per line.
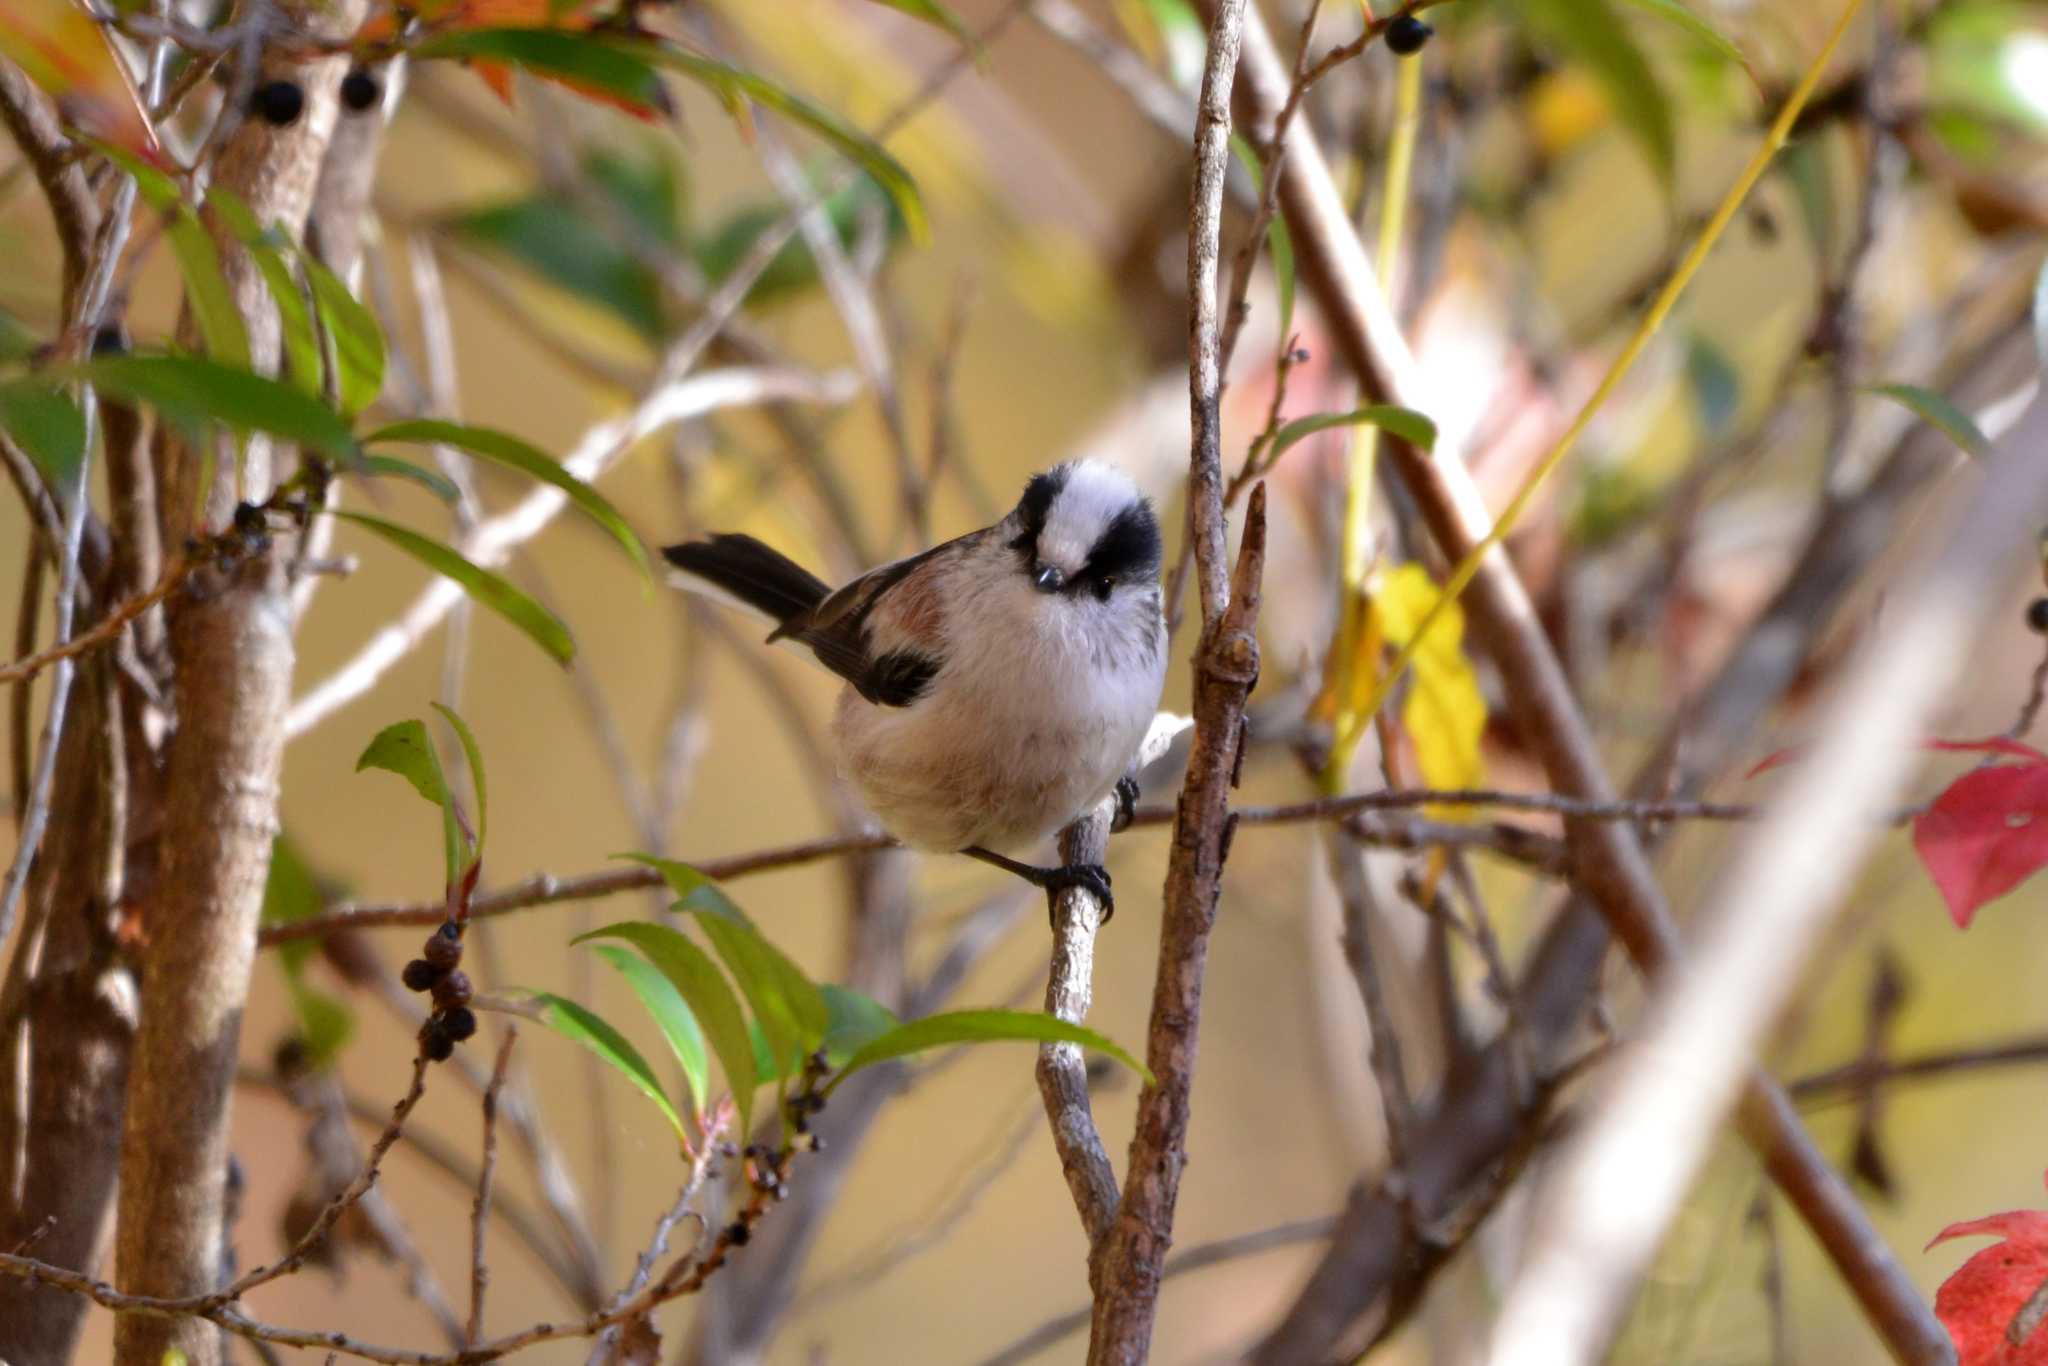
(480,1213)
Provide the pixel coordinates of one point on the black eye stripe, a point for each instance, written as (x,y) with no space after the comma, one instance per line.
(1129,547)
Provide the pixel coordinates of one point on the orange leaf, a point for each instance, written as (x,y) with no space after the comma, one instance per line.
(64,51)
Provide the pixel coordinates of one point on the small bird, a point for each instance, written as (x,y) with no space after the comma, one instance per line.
(998,685)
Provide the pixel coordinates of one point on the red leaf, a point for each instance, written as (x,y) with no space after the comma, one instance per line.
(1977,1304)
(1984,835)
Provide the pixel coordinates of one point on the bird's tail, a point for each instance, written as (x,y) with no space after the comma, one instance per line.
(740,570)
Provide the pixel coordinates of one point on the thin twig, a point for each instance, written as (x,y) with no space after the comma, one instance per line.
(480,1213)
(103,632)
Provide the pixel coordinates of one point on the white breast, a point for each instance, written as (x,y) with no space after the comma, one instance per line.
(1036,712)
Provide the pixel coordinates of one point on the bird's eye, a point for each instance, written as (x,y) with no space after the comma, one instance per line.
(1102,584)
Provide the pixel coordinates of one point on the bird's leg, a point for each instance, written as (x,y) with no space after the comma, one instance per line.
(1126,804)
(1091,877)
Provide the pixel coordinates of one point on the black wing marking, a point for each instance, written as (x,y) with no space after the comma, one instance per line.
(897,679)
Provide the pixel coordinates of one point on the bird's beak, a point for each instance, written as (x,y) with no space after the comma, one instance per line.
(1048,579)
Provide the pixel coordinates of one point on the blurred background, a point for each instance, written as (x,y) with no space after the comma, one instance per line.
(1562,163)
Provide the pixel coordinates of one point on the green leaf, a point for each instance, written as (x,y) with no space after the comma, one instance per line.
(730,84)
(1405,423)
(665,1003)
(194,392)
(1937,411)
(301,346)
(290,892)
(403,748)
(391,467)
(932,12)
(572,1021)
(352,331)
(492,590)
(857,1021)
(220,322)
(1716,387)
(982,1026)
(472,752)
(530,460)
(690,970)
(44,422)
(681,878)
(784,1000)
(550,238)
(1697,27)
(1594,34)
(603,65)
(1805,163)
(325,1023)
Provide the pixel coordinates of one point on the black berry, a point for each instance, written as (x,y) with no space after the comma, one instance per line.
(2037,615)
(1406,35)
(110,340)
(278,102)
(359,90)
(738,1234)
(452,990)
(434,1040)
(443,947)
(459,1023)
(420,975)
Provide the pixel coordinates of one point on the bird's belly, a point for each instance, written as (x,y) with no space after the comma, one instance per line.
(950,777)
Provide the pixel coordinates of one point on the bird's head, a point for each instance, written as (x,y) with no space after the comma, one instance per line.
(1083,532)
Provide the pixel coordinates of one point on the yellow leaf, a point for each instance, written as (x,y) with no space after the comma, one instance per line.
(1445,712)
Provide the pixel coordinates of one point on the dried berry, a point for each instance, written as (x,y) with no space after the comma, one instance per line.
(458,1023)
(1406,35)
(452,990)
(2037,615)
(111,339)
(434,1040)
(278,103)
(444,946)
(420,975)
(738,1234)
(359,90)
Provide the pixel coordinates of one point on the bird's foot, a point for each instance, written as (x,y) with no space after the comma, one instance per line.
(1126,805)
(1092,878)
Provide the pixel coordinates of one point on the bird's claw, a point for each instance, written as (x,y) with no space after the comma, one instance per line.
(1126,804)
(1091,878)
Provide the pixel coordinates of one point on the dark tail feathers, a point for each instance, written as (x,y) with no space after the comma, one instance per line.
(742,567)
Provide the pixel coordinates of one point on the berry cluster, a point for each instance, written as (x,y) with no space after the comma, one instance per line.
(438,971)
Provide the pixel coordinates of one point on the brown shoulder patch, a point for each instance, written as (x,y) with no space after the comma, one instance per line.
(911,607)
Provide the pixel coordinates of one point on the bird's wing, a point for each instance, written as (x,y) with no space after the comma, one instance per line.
(840,630)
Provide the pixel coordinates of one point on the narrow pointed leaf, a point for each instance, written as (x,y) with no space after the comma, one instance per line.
(353,333)
(474,753)
(220,322)
(510,451)
(601,66)
(784,1000)
(492,590)
(1937,411)
(391,467)
(1405,423)
(194,392)
(403,748)
(983,1026)
(857,1021)
(670,1012)
(572,1021)
(731,84)
(301,345)
(1673,12)
(46,424)
(690,970)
